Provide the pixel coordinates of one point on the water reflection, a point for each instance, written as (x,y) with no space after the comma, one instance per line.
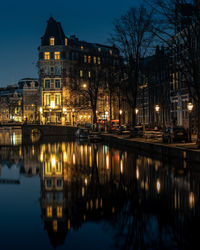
(144,203)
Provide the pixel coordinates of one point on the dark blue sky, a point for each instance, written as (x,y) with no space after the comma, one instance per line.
(23,22)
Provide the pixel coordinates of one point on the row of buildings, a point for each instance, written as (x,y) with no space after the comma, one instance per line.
(73,85)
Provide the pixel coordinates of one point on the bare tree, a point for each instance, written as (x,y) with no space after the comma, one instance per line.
(179,29)
(133,36)
(86,81)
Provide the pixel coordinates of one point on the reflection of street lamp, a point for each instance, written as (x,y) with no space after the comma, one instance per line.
(73,115)
(40,113)
(157,109)
(190,108)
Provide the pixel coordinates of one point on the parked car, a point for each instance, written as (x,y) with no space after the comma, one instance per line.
(176,134)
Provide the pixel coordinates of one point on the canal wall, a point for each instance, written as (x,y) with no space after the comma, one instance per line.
(48,130)
(164,151)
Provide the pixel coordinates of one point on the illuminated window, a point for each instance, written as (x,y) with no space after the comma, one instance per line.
(85,58)
(66,41)
(55,226)
(58,167)
(99,60)
(52,41)
(82,47)
(47,84)
(110,52)
(59,211)
(89,59)
(47,98)
(89,74)
(81,73)
(46,55)
(49,211)
(99,49)
(95,60)
(48,168)
(57,83)
(57,99)
(57,55)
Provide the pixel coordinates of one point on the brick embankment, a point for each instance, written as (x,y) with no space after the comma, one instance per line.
(185,151)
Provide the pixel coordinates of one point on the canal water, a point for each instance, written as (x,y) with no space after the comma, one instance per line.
(76,195)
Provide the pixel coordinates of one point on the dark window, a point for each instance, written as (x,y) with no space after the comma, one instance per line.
(47,84)
(58,84)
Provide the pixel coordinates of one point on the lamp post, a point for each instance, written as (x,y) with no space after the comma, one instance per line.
(157,109)
(189,108)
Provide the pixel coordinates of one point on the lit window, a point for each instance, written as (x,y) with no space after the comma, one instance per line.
(58,167)
(48,168)
(47,84)
(52,41)
(57,55)
(57,99)
(47,98)
(85,58)
(55,226)
(95,60)
(110,52)
(59,211)
(99,60)
(99,49)
(82,47)
(81,73)
(46,55)
(89,59)
(89,74)
(57,82)
(66,41)
(49,211)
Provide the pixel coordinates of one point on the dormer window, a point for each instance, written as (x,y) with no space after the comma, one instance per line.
(82,47)
(110,52)
(52,41)
(66,41)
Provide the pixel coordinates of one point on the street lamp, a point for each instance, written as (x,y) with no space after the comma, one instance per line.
(120,113)
(157,109)
(190,108)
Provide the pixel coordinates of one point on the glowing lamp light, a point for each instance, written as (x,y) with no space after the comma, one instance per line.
(41,110)
(136,111)
(158,186)
(157,108)
(120,112)
(190,106)
(64,109)
(53,161)
(73,110)
(84,85)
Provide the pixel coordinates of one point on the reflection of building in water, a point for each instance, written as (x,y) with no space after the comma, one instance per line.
(79,183)
(10,136)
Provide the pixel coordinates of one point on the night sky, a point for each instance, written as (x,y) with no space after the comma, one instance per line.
(23,22)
